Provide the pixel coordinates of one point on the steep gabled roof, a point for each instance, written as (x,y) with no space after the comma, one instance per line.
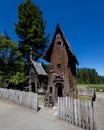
(38,67)
(47,55)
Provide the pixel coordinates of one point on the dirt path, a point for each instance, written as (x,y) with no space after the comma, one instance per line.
(14,117)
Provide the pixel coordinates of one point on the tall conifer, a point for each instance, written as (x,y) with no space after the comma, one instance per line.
(30,29)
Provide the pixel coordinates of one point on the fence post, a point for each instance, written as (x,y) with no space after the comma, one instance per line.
(58,107)
(95,118)
(87,115)
(61,107)
(79,113)
(75,111)
(90,115)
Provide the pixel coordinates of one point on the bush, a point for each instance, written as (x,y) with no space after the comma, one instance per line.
(18,81)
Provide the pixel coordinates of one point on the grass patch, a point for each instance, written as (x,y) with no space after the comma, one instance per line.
(41,99)
(98,87)
(85,97)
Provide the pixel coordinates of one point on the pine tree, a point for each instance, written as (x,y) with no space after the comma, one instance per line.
(31,30)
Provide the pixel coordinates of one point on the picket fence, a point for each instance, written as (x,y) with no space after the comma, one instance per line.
(77,112)
(27,99)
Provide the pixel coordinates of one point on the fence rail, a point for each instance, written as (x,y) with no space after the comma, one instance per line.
(77,112)
(86,91)
(27,99)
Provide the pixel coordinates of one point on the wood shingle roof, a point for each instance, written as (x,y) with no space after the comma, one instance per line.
(38,67)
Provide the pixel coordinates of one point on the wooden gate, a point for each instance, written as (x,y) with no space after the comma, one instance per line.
(78,112)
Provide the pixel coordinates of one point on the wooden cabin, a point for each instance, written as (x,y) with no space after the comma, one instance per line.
(36,75)
(62,75)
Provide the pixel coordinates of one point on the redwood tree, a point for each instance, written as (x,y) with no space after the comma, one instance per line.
(30,29)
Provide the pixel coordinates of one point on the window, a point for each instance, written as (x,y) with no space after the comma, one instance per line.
(50,89)
(58,66)
(59,43)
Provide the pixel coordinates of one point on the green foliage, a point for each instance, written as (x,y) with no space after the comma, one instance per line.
(9,55)
(1,78)
(31,29)
(10,58)
(19,78)
(89,76)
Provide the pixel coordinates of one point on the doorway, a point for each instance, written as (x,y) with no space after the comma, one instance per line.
(59,89)
(33,87)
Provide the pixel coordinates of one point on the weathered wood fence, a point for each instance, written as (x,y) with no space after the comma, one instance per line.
(86,91)
(77,112)
(27,99)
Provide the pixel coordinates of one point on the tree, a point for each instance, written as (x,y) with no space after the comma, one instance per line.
(9,54)
(89,76)
(10,58)
(31,30)
(19,80)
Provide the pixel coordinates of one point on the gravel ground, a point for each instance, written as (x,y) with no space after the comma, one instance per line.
(14,117)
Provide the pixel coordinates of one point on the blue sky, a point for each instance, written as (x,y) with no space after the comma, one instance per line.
(82,22)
